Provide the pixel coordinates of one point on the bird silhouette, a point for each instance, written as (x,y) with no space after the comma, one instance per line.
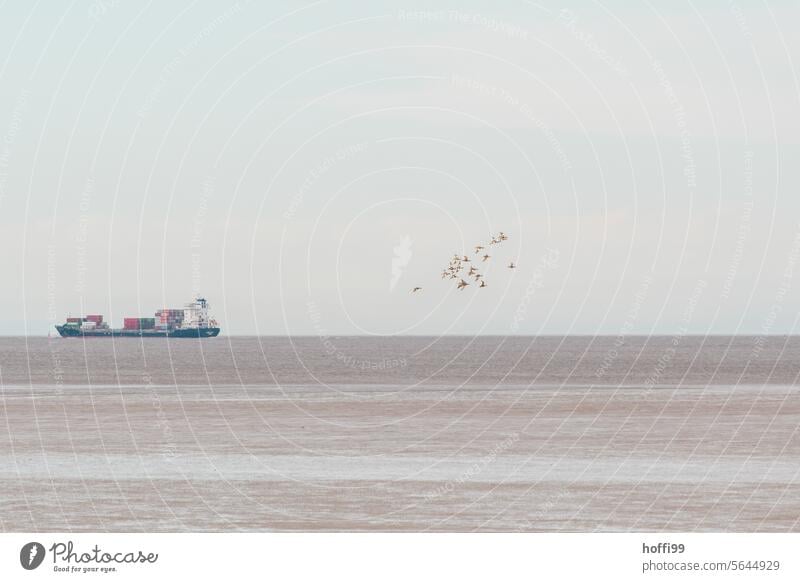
(415,289)
(461,267)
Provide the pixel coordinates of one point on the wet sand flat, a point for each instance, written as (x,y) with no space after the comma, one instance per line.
(262,434)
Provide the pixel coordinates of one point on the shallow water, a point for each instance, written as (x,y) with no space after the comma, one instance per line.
(494,434)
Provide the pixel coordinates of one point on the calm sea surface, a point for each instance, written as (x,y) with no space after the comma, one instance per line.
(400,434)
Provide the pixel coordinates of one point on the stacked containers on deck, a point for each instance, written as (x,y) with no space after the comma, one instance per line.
(74,320)
(139,323)
(98,319)
(169,318)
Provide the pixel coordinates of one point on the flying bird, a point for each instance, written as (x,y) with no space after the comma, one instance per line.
(486,258)
(462,284)
(478,249)
(512,266)
(503,236)
(415,289)
(483,284)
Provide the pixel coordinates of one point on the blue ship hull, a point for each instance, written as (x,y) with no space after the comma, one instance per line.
(200,332)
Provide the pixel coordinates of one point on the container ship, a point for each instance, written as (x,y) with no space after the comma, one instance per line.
(190,321)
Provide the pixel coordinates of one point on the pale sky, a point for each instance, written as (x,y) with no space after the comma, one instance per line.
(643,159)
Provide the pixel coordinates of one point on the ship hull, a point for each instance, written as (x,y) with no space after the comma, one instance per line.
(68,331)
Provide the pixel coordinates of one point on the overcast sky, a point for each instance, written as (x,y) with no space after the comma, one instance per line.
(304,165)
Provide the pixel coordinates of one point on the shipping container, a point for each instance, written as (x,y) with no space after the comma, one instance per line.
(147,322)
(74,320)
(131,323)
(168,318)
(95,318)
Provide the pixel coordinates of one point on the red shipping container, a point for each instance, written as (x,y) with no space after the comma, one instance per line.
(95,318)
(131,323)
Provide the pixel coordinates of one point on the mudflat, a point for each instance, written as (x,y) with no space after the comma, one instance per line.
(400,434)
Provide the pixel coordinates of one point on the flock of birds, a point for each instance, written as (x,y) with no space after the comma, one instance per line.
(457,268)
